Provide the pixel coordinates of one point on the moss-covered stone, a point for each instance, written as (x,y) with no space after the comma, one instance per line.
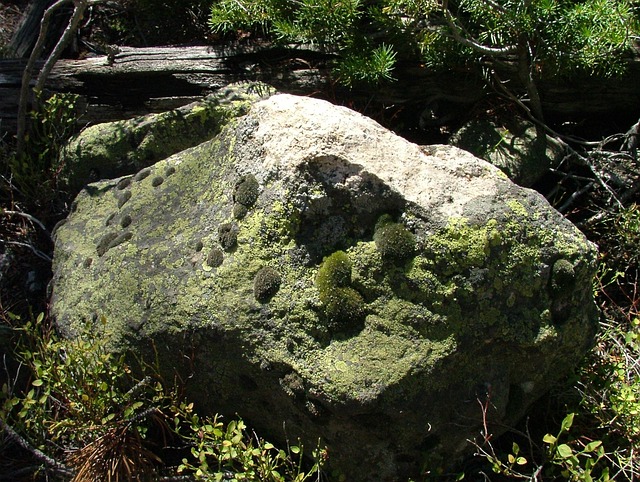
(395,242)
(343,306)
(377,355)
(124,147)
(266,284)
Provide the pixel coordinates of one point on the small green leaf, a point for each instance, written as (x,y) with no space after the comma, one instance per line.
(567,422)
(295,449)
(549,439)
(591,446)
(37,383)
(564,451)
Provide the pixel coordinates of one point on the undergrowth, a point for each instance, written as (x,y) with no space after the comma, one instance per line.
(81,413)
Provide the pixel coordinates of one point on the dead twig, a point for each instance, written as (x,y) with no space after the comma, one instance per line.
(49,462)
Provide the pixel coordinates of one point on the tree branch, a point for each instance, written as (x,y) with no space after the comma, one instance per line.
(474,44)
(78,11)
(28,71)
(79,8)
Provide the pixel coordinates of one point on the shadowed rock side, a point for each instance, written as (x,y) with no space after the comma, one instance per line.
(328,280)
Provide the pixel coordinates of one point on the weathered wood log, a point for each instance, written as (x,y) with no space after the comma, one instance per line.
(135,81)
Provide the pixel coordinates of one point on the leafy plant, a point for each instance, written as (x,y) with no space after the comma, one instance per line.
(335,26)
(84,414)
(562,457)
(524,41)
(233,453)
(576,464)
(35,171)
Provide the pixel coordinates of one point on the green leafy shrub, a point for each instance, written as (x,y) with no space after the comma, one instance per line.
(84,414)
(35,173)
(563,458)
(498,39)
(232,453)
(338,27)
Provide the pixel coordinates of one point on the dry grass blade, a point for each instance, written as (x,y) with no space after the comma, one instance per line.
(116,456)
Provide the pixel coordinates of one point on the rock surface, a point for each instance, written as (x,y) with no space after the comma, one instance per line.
(112,149)
(325,279)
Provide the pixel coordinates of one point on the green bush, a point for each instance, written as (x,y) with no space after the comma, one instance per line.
(334,26)
(84,413)
(498,39)
(35,172)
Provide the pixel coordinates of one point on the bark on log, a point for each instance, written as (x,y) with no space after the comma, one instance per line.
(136,81)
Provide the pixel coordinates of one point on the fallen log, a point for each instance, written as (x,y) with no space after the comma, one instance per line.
(127,81)
(134,81)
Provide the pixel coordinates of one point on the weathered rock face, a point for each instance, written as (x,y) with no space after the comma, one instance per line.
(325,279)
(112,149)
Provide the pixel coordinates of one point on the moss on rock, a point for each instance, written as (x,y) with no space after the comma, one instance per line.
(563,277)
(215,257)
(395,242)
(228,236)
(335,272)
(247,190)
(266,284)
(343,305)
(382,344)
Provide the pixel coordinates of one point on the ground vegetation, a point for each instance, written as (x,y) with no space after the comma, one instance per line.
(73,411)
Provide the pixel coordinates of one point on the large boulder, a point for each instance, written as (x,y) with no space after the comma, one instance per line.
(327,280)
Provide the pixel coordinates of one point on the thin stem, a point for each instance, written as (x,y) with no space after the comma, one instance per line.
(28,71)
(79,8)
(27,216)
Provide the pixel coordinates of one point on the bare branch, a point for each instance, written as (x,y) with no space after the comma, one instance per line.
(28,71)
(27,216)
(37,252)
(79,8)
